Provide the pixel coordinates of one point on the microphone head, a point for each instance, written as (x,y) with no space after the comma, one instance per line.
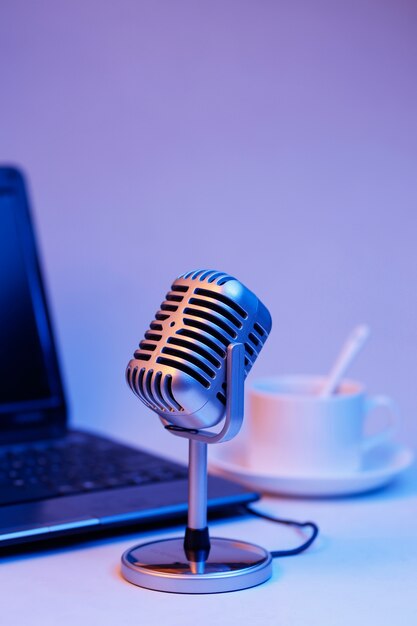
(179,370)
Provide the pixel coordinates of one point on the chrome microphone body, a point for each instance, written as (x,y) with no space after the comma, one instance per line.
(190,369)
(179,369)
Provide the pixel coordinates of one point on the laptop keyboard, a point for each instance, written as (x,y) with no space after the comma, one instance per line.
(79,463)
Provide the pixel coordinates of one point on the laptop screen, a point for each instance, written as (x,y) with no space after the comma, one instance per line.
(22,365)
(30,388)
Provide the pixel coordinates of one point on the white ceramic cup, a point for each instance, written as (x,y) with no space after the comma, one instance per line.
(292,430)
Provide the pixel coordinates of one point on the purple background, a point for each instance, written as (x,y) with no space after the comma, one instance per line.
(274,140)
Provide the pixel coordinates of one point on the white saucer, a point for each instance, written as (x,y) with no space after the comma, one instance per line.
(380,466)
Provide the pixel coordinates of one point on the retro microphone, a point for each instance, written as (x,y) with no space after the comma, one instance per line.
(190,370)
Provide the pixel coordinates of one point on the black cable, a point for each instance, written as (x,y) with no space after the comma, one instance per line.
(287,522)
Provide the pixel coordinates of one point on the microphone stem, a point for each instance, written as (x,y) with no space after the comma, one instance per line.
(197,485)
(197,540)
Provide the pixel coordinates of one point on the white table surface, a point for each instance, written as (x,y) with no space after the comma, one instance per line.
(362,570)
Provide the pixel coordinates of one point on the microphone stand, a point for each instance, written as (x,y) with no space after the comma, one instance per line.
(197,540)
(196,564)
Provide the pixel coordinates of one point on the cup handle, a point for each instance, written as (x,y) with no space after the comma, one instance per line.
(384,435)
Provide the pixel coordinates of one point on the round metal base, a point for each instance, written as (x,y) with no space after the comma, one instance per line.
(163,566)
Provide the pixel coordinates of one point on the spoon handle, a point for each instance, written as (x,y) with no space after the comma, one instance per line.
(351,348)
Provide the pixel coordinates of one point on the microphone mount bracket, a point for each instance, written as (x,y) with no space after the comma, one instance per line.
(235,379)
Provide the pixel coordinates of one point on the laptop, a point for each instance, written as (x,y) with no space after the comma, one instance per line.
(56,482)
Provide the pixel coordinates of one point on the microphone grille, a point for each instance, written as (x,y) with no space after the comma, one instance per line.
(204,312)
